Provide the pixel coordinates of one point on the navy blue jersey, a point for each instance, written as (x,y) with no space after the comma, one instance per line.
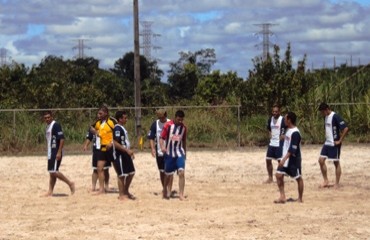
(333,125)
(120,135)
(54,134)
(292,144)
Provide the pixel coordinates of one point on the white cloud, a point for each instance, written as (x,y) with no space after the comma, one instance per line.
(317,27)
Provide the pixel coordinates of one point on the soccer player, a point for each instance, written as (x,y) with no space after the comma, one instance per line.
(290,164)
(173,146)
(153,136)
(103,129)
(123,156)
(90,137)
(55,143)
(334,125)
(276,128)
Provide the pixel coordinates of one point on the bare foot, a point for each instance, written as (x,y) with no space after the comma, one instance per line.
(131,196)
(72,187)
(325,184)
(165,195)
(280,201)
(268,181)
(48,194)
(97,193)
(336,186)
(122,198)
(300,200)
(182,198)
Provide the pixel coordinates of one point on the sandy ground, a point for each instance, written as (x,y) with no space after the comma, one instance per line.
(225,200)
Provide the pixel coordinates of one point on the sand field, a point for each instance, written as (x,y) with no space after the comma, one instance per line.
(226,199)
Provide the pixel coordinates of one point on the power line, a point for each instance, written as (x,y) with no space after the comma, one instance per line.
(81,48)
(147,35)
(266,33)
(3,57)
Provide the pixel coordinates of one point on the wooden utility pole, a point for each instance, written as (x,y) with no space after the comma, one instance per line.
(137,84)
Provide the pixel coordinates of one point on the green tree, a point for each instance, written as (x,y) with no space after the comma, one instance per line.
(184,74)
(217,88)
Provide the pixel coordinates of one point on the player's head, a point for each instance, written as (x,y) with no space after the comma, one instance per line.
(47,116)
(276,111)
(324,109)
(121,117)
(103,112)
(290,118)
(162,115)
(179,117)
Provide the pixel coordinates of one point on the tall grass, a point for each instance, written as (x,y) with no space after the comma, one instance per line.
(207,127)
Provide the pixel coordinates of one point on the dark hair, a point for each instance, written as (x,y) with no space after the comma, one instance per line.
(47,112)
(119,114)
(292,117)
(276,106)
(323,106)
(180,113)
(104,108)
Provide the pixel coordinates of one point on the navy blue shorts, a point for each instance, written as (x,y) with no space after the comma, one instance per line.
(94,163)
(160,163)
(53,164)
(292,171)
(274,153)
(124,165)
(331,153)
(171,164)
(105,156)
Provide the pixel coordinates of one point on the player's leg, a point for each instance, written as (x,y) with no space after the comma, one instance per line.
(101,175)
(94,180)
(63,178)
(300,189)
(338,173)
(52,182)
(181,184)
(323,156)
(106,179)
(170,168)
(269,168)
(94,175)
(280,183)
(160,165)
(108,164)
(180,164)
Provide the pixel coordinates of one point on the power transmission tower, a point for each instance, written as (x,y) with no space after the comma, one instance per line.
(81,48)
(3,57)
(147,35)
(266,33)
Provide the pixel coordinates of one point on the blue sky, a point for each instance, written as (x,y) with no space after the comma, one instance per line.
(322,29)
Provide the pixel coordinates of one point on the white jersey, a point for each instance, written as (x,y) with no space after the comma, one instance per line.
(292,145)
(277,128)
(155,134)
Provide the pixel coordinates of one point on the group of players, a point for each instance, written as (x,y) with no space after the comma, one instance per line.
(284,147)
(111,145)
(168,145)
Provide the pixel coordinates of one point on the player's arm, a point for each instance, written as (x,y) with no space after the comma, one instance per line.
(151,136)
(344,133)
(121,148)
(184,140)
(59,153)
(86,144)
(163,137)
(343,127)
(152,146)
